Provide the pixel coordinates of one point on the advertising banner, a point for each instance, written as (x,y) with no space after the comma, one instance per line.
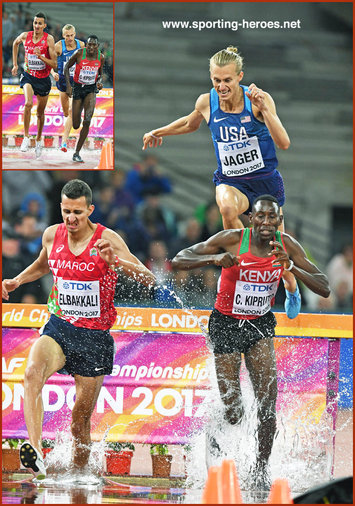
(13,104)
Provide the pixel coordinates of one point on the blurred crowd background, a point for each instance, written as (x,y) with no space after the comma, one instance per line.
(131,203)
(18,18)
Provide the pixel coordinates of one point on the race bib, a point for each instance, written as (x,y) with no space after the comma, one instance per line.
(34,63)
(253,298)
(79,299)
(87,76)
(240,157)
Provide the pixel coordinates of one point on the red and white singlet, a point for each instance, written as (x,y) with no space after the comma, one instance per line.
(247,291)
(86,71)
(84,285)
(33,65)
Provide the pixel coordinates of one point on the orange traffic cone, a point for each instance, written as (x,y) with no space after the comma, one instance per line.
(230,483)
(106,158)
(280,492)
(212,493)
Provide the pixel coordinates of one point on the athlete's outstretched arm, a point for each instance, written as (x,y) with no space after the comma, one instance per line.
(15,46)
(34,271)
(115,252)
(184,125)
(210,252)
(303,268)
(266,110)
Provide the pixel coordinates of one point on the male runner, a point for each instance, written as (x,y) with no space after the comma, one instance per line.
(84,258)
(87,76)
(39,59)
(253,261)
(64,49)
(245,128)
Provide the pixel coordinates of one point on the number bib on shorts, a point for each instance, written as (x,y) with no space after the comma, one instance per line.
(79,299)
(240,157)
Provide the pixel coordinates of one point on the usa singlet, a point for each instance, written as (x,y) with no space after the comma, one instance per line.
(247,291)
(65,56)
(86,72)
(243,144)
(84,285)
(33,65)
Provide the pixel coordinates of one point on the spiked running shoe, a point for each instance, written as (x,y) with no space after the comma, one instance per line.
(64,147)
(77,158)
(292,303)
(32,460)
(25,144)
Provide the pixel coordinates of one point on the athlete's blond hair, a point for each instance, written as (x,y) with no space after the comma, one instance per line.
(68,27)
(227,56)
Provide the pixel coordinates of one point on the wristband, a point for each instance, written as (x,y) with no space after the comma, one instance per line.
(115,264)
(292,264)
(154,136)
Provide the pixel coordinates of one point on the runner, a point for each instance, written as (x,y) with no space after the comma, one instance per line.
(39,59)
(253,261)
(64,49)
(87,80)
(245,128)
(84,258)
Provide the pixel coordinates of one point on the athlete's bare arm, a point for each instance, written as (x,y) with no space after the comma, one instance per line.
(111,245)
(303,268)
(264,109)
(98,82)
(58,52)
(52,60)
(214,251)
(15,46)
(34,271)
(184,125)
(75,58)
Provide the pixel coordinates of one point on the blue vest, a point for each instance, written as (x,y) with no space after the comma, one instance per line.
(243,145)
(65,56)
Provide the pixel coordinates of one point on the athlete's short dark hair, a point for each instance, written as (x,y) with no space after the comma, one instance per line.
(268,197)
(93,37)
(41,15)
(75,189)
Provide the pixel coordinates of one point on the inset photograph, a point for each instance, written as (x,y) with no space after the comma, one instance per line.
(57,86)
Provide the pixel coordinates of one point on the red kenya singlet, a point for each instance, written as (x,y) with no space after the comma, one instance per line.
(86,71)
(84,285)
(247,291)
(33,65)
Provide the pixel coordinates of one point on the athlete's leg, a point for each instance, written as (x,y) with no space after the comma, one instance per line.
(45,358)
(66,103)
(77,108)
(41,105)
(231,202)
(228,370)
(261,364)
(89,108)
(87,392)
(28,92)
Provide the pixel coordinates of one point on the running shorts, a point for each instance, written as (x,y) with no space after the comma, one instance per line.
(41,85)
(88,352)
(252,188)
(228,334)
(81,90)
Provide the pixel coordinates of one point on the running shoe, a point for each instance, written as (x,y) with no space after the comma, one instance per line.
(32,460)
(38,148)
(77,158)
(64,147)
(292,303)
(25,144)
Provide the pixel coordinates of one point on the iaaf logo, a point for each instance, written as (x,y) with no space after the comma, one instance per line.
(76,285)
(13,364)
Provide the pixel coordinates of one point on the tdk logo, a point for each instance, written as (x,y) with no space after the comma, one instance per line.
(76,285)
(261,288)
